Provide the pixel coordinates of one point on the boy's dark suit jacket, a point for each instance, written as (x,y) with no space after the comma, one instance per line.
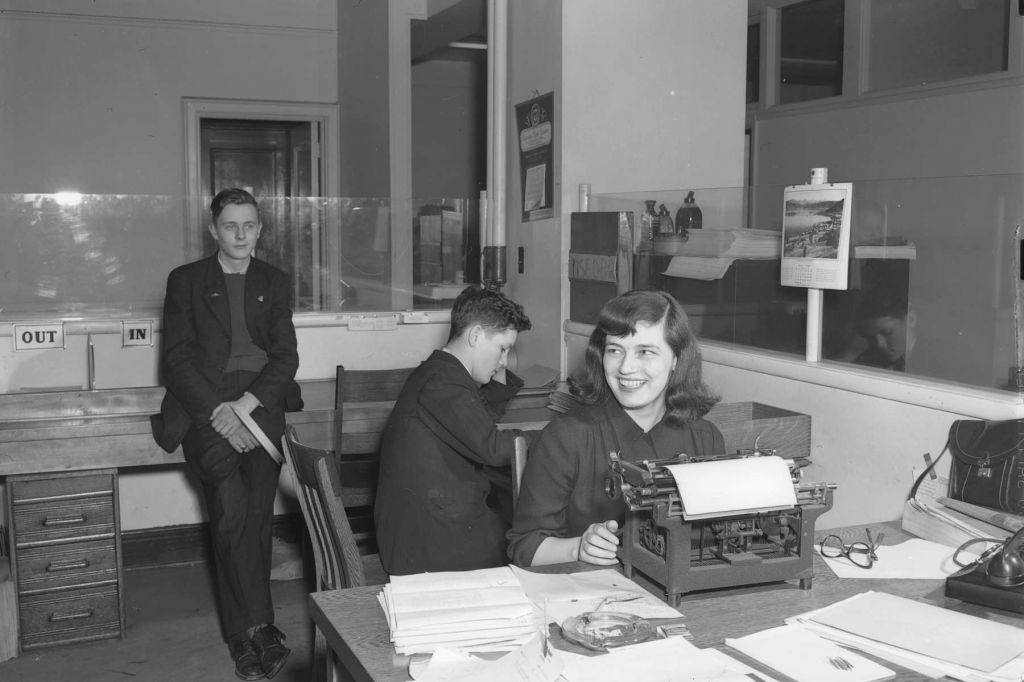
(197,342)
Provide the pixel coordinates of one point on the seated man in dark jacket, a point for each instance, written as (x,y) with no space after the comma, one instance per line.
(444,496)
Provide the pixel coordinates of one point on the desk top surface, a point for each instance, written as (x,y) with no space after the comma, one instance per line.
(354,623)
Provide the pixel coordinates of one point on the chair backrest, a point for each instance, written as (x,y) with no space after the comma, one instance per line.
(518,465)
(322,499)
(358,429)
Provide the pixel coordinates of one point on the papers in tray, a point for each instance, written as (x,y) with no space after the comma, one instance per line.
(929,639)
(926,517)
(484,610)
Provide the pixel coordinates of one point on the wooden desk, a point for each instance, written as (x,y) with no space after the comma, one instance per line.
(354,624)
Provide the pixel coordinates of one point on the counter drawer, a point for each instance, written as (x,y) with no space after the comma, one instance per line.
(59,567)
(47,523)
(72,616)
(38,489)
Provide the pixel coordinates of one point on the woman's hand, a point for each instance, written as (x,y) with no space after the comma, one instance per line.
(599,544)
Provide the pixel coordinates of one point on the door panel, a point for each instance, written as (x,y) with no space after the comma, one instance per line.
(273,161)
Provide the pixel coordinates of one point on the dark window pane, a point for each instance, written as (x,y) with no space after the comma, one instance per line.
(915,42)
(811,51)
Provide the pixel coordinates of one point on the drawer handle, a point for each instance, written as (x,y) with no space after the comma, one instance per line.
(57,618)
(64,520)
(67,565)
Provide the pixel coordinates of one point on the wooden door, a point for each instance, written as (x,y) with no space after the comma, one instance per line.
(274,161)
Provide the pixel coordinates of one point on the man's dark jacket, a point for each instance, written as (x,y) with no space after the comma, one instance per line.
(444,493)
(197,343)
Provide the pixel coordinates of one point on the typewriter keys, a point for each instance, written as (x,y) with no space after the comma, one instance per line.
(602,630)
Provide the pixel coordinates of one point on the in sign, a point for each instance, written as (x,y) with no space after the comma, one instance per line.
(137,333)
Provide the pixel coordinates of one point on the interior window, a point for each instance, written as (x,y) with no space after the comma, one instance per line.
(811,50)
(916,42)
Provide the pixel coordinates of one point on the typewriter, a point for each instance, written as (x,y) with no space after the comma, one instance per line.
(683,551)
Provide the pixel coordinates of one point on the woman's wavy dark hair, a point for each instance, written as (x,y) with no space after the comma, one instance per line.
(687,398)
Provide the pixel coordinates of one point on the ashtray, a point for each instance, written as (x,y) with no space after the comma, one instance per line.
(603,630)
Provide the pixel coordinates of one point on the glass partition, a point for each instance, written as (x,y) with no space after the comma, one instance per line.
(933,283)
(72,255)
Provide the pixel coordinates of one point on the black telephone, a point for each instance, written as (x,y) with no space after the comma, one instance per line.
(996,579)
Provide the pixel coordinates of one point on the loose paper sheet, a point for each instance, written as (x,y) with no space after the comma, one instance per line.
(561,596)
(915,558)
(929,630)
(806,657)
(662,660)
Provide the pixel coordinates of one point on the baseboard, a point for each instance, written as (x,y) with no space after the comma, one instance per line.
(190,543)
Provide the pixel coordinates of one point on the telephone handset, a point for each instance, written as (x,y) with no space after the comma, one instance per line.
(996,579)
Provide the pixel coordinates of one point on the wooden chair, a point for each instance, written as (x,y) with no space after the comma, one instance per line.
(363,400)
(335,552)
(518,466)
(359,432)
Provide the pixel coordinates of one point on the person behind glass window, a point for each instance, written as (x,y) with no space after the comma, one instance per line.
(885,330)
(642,396)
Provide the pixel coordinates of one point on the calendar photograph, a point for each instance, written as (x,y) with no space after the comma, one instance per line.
(816,235)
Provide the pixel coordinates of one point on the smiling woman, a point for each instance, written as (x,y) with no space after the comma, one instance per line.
(643,397)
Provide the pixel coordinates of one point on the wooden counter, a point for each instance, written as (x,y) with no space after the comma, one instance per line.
(74,430)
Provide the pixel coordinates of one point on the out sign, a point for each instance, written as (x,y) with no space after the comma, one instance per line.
(137,333)
(38,336)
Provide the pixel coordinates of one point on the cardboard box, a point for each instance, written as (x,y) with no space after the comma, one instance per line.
(773,428)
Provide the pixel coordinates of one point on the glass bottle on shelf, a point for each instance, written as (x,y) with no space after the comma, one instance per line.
(666,229)
(648,223)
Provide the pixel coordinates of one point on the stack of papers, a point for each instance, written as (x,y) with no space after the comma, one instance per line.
(926,517)
(740,243)
(928,639)
(708,254)
(484,610)
(888,247)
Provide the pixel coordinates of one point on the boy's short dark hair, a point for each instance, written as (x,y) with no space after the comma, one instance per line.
(489,308)
(881,302)
(235,195)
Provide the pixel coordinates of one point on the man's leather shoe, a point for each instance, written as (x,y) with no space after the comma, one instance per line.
(269,647)
(247,661)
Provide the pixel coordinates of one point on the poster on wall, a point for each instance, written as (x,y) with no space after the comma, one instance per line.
(535,123)
(816,235)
